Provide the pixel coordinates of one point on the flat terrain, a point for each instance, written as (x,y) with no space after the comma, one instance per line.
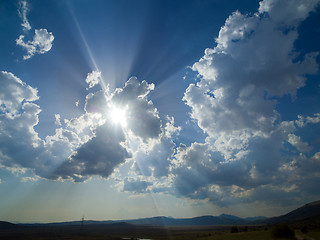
(127,231)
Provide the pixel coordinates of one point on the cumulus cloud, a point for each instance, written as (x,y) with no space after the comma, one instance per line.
(93,78)
(42,39)
(154,161)
(288,13)
(20,145)
(41,43)
(22,11)
(241,81)
(18,114)
(112,140)
(14,93)
(106,142)
(89,145)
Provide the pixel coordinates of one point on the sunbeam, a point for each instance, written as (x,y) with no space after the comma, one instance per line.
(74,17)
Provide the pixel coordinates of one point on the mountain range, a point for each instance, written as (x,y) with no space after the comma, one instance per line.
(308,211)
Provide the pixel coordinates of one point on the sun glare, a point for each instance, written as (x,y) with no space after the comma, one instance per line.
(118,116)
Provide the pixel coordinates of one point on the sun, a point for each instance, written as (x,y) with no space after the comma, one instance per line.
(118,116)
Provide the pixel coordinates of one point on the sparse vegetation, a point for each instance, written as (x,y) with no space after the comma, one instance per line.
(304,229)
(282,230)
(244,229)
(234,229)
(155,233)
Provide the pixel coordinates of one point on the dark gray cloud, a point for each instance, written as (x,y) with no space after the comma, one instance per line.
(99,156)
(135,185)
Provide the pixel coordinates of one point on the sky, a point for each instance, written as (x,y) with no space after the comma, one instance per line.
(128,109)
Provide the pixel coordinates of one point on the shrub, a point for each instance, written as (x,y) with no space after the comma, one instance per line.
(282,230)
(244,229)
(304,229)
(234,229)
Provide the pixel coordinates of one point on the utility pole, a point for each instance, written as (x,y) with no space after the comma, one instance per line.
(82,223)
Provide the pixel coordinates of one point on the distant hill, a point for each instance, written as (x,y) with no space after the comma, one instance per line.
(231,217)
(251,219)
(121,225)
(7,225)
(196,221)
(308,211)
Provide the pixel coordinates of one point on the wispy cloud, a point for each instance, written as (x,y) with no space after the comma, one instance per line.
(22,11)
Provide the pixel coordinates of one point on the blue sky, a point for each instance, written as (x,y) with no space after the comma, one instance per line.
(127,109)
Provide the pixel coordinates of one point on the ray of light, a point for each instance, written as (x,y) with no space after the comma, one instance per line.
(102,83)
(154,199)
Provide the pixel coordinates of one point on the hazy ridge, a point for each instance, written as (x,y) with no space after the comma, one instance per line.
(308,211)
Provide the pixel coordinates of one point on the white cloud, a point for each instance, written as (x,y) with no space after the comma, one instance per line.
(22,11)
(93,78)
(170,128)
(18,116)
(41,43)
(13,94)
(296,142)
(245,155)
(241,80)
(42,39)
(108,144)
(303,121)
(20,145)
(104,143)
(88,145)
(29,179)
(288,12)
(57,121)
(154,161)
